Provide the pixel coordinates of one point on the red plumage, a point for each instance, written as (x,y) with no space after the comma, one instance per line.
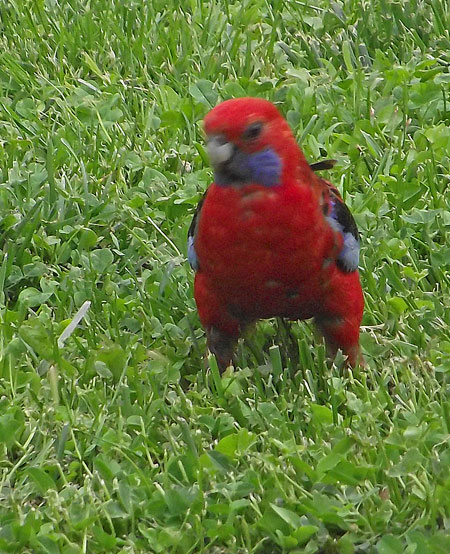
(265,251)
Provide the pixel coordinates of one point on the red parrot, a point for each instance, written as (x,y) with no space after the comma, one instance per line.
(271,238)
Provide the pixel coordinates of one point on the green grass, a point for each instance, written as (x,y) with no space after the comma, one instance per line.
(120,439)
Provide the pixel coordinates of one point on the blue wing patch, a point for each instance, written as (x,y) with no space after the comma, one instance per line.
(349,255)
(192,255)
(341,220)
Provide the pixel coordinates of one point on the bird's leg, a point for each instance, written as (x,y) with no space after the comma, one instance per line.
(340,314)
(289,342)
(222,346)
(222,328)
(341,333)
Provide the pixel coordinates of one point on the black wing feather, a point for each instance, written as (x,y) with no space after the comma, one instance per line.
(193,226)
(323,164)
(192,231)
(344,216)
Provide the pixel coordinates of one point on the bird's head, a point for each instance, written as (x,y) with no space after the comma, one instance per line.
(249,142)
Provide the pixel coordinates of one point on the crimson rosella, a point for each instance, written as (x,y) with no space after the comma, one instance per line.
(271,238)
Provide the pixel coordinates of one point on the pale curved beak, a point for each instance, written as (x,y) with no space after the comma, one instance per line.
(219,150)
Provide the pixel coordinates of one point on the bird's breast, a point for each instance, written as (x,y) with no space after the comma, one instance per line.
(262,249)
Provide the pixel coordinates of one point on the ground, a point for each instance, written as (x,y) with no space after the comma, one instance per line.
(120,438)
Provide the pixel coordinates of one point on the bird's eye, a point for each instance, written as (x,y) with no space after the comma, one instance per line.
(253,131)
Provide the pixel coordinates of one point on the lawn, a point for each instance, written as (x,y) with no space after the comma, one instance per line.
(122,437)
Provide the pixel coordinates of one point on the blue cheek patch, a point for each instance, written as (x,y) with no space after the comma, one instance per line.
(265,167)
